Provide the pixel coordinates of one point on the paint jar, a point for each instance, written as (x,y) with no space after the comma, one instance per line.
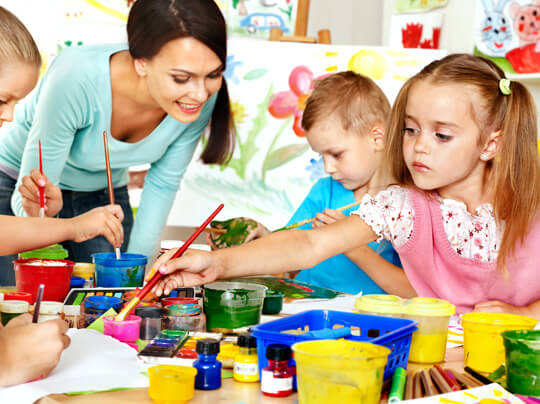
(273,302)
(12,308)
(277,377)
(76,282)
(124,330)
(124,272)
(171,384)
(186,323)
(246,365)
(178,300)
(150,321)
(380,305)
(87,271)
(54,274)
(428,343)
(339,371)
(95,306)
(522,349)
(72,315)
(208,367)
(50,311)
(483,344)
(227,353)
(27,297)
(52,252)
(231,305)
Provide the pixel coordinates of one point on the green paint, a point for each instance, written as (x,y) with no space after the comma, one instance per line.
(290,287)
(237,228)
(7,317)
(523,361)
(232,308)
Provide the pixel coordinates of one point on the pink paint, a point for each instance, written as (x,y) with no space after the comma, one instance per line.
(126,330)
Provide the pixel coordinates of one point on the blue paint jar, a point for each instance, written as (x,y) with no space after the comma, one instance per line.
(95,306)
(208,367)
(124,272)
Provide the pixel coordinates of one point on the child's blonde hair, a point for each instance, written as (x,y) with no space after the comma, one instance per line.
(357,101)
(16,43)
(513,176)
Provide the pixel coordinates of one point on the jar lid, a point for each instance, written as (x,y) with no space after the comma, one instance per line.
(380,304)
(14,306)
(48,307)
(25,296)
(247,341)
(429,306)
(102,302)
(278,352)
(148,311)
(208,346)
(72,310)
(55,251)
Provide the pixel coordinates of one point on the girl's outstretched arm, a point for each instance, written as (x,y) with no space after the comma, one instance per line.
(279,252)
(496,306)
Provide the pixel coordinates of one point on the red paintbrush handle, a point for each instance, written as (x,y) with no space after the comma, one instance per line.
(41,189)
(157,276)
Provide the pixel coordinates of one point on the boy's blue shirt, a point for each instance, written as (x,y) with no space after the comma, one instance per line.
(338,272)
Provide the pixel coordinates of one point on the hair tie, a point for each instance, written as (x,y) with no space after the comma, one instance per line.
(504,86)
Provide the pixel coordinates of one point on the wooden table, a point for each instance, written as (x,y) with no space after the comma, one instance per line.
(230,392)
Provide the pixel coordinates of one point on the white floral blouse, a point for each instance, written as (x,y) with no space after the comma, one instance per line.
(391,216)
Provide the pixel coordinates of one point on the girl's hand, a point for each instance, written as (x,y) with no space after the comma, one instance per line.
(496,306)
(30,351)
(103,221)
(29,190)
(193,268)
(326,217)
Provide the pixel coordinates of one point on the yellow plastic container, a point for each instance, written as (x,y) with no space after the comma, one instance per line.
(87,271)
(171,384)
(428,343)
(484,348)
(380,305)
(339,371)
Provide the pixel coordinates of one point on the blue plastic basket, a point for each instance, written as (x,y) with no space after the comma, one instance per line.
(393,333)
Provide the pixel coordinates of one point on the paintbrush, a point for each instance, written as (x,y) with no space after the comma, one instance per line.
(215,231)
(303,222)
(109,182)
(41,189)
(38,303)
(158,275)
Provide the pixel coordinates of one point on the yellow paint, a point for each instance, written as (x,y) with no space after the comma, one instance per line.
(497,393)
(368,62)
(331,54)
(427,348)
(407,63)
(448,401)
(107,10)
(127,308)
(470,395)
(171,384)
(332,69)
(491,401)
(246,366)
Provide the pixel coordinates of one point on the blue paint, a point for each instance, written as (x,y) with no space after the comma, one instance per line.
(128,271)
(208,367)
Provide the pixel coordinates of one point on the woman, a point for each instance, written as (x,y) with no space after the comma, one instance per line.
(154,99)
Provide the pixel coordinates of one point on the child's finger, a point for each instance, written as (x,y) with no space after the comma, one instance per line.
(116,210)
(29,190)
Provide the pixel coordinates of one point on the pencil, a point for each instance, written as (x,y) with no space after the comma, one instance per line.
(303,222)
(451,376)
(38,303)
(467,381)
(452,382)
(109,182)
(429,387)
(41,189)
(409,388)
(439,380)
(417,386)
(481,378)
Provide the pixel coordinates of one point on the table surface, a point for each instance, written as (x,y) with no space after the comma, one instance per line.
(230,391)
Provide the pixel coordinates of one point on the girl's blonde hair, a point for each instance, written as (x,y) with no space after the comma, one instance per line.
(513,176)
(16,43)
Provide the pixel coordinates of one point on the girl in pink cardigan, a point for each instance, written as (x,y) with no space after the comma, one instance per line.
(465,217)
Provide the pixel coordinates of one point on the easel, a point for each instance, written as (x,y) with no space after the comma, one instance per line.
(300,29)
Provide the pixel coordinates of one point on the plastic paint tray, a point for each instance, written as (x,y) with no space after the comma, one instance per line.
(393,333)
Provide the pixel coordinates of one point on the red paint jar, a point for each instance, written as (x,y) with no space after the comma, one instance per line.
(24,296)
(54,274)
(277,377)
(178,300)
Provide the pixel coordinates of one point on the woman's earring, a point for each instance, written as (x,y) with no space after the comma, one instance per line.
(484,156)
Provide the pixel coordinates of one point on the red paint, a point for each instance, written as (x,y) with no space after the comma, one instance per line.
(27,297)
(55,278)
(279,370)
(524,59)
(503,29)
(488,28)
(521,26)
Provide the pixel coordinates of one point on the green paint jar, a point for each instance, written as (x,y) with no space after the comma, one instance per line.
(522,349)
(232,305)
(273,302)
(12,308)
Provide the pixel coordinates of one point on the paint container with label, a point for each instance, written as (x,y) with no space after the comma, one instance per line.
(50,311)
(277,377)
(232,305)
(150,321)
(123,272)
(522,349)
(246,365)
(72,315)
(171,384)
(12,308)
(125,330)
(95,306)
(87,271)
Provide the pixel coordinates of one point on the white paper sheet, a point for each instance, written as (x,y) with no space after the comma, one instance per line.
(93,361)
(343,302)
(493,393)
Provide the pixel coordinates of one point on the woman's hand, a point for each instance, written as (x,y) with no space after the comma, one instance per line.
(30,351)
(29,190)
(103,221)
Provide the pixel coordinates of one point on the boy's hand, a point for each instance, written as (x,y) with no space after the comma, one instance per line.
(29,190)
(239,230)
(30,351)
(326,217)
(103,221)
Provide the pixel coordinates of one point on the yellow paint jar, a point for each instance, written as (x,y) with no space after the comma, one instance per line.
(484,349)
(380,305)
(87,271)
(339,371)
(170,384)
(246,364)
(428,344)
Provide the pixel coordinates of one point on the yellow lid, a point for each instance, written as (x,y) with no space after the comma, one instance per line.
(505,319)
(14,306)
(380,304)
(429,306)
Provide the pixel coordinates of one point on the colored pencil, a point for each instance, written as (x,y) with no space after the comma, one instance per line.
(303,222)
(451,376)
(481,378)
(454,386)
(398,385)
(109,182)
(467,380)
(429,387)
(417,386)
(38,303)
(409,388)
(158,275)
(41,189)
(439,380)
